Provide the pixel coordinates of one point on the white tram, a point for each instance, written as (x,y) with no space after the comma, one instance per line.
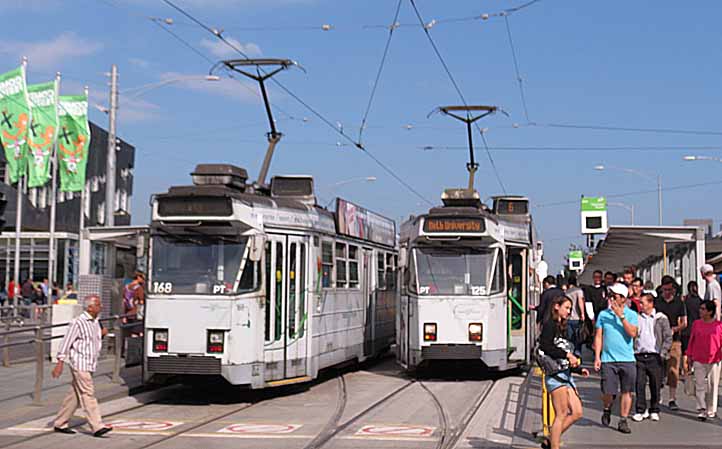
(261,286)
(467,282)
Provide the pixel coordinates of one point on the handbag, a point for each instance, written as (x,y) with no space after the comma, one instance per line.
(549,365)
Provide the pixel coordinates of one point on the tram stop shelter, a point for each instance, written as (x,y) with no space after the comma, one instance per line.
(653,251)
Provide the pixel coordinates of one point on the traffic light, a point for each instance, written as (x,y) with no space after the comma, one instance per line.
(3,205)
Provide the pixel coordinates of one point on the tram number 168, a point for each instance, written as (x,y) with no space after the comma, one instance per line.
(162,287)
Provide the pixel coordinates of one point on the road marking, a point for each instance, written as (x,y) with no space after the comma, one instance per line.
(395,431)
(246,436)
(143,425)
(260,429)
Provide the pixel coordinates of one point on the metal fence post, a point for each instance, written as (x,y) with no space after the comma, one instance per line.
(39,365)
(6,350)
(118,332)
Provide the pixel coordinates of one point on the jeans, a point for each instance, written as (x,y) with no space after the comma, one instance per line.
(573,328)
(649,366)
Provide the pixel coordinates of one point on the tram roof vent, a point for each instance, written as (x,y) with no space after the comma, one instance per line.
(299,188)
(461,198)
(220,175)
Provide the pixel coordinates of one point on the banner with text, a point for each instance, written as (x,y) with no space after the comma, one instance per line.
(42,131)
(73,141)
(14,121)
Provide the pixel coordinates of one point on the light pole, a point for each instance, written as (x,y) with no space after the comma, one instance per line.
(630,208)
(332,188)
(112,112)
(702,158)
(654,178)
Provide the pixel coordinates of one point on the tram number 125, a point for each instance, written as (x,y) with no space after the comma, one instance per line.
(162,287)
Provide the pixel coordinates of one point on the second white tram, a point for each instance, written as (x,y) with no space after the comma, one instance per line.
(467,282)
(261,286)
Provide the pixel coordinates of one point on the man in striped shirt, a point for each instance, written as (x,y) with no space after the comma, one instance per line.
(80,348)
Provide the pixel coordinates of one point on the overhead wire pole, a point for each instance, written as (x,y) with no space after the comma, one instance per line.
(110,162)
(52,258)
(19,216)
(313,111)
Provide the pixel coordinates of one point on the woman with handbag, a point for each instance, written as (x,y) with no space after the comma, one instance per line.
(560,362)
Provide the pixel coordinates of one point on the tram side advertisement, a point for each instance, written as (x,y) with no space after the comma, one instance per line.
(355,221)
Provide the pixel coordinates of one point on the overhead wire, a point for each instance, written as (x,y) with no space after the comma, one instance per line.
(392,27)
(629,129)
(312,110)
(541,148)
(458,89)
(519,79)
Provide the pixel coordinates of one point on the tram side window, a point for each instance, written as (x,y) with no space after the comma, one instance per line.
(381,271)
(353,266)
(497,284)
(341,265)
(327,264)
(390,272)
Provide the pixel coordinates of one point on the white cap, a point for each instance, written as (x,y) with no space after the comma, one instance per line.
(706,268)
(620,289)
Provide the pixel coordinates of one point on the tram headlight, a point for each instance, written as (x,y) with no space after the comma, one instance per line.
(429,331)
(475,331)
(215,341)
(160,340)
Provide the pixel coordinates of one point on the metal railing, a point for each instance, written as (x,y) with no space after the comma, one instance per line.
(19,315)
(39,339)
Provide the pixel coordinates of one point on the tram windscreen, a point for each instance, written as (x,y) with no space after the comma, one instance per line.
(200,264)
(458,271)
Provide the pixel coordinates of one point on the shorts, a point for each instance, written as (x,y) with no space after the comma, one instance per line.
(558,380)
(619,376)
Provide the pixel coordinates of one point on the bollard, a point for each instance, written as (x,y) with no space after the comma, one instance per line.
(39,366)
(118,349)
(547,408)
(6,350)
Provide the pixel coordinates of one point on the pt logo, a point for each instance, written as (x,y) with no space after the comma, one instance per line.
(17,140)
(72,150)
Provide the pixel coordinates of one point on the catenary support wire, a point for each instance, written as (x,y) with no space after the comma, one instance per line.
(519,79)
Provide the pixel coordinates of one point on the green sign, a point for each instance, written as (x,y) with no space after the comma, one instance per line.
(576,255)
(14,121)
(41,134)
(73,142)
(594,204)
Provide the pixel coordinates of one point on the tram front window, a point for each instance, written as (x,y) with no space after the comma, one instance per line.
(200,264)
(458,271)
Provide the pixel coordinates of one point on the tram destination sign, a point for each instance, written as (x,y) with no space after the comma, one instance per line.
(195,206)
(455,225)
(355,221)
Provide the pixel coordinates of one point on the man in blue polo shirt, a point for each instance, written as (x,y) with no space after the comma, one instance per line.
(614,355)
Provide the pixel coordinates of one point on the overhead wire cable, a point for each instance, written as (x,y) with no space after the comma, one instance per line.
(629,129)
(456,86)
(313,111)
(540,148)
(519,79)
(392,27)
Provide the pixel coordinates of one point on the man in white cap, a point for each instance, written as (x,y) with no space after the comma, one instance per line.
(617,327)
(713,292)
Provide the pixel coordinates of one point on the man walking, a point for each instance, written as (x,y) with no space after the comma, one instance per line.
(578,314)
(651,347)
(80,348)
(673,307)
(713,291)
(614,355)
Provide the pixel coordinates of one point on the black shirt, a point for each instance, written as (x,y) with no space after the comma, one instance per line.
(673,310)
(550,334)
(598,297)
(546,299)
(691,304)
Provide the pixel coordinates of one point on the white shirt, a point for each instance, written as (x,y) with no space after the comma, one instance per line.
(81,345)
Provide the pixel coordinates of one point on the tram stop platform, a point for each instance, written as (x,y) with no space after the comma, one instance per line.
(676,430)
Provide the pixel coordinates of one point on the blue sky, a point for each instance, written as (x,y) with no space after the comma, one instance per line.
(639,64)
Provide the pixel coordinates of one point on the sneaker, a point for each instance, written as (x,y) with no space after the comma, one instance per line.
(638,417)
(624,426)
(607,417)
(711,415)
(645,415)
(673,406)
(702,415)
(654,416)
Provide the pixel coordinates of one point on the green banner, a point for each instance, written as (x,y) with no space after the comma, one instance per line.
(576,255)
(41,135)
(73,141)
(14,121)
(594,204)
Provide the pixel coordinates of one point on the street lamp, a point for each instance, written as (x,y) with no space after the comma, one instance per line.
(630,208)
(654,178)
(702,158)
(332,188)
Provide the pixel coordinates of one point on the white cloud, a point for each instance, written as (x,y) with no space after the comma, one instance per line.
(225,87)
(130,110)
(50,54)
(223,50)
(140,63)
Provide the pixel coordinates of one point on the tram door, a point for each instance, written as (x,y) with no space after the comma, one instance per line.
(367,288)
(286,319)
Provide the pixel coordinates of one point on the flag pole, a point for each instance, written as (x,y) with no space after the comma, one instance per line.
(81,223)
(18,220)
(52,259)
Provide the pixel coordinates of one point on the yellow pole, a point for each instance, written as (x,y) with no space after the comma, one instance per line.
(664,254)
(547,409)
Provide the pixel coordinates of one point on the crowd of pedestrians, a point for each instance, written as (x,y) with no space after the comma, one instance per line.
(643,339)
